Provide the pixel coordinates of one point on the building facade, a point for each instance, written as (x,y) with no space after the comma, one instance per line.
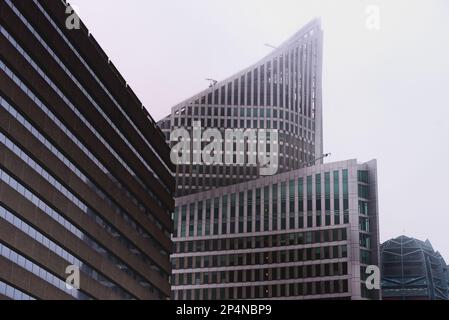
(282,92)
(413,270)
(85,174)
(305,234)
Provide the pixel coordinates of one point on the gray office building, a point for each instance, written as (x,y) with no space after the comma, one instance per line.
(305,234)
(282,91)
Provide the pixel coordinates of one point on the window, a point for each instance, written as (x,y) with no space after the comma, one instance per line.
(199,230)
(292,204)
(283,205)
(275,207)
(362,176)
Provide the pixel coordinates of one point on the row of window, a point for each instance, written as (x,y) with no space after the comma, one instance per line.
(108,93)
(26,90)
(13,293)
(55,248)
(30,266)
(79,203)
(267,208)
(268,123)
(13,183)
(259,242)
(14,113)
(257,275)
(263,257)
(285,152)
(301,289)
(10,109)
(293,153)
(82,89)
(242,112)
(288,80)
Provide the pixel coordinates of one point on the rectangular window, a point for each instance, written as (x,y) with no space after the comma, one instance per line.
(336,198)
(199,228)
(223,95)
(242,90)
(175,221)
(258,209)
(283,205)
(309,203)
(241,211)
(216,215)
(236,92)
(248,88)
(191,220)
(291,210)
(183,221)
(345,197)
(345,182)
(362,176)
(262,86)
(249,211)
(363,191)
(275,82)
(216,96)
(327,201)
(300,203)
(318,199)
(233,208)
(224,215)
(363,207)
(208,209)
(269,82)
(274,216)
(255,87)
(281,82)
(266,210)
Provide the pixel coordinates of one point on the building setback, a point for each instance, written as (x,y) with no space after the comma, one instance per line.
(282,91)
(305,234)
(413,270)
(85,174)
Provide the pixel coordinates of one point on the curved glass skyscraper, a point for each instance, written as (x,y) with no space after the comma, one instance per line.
(282,91)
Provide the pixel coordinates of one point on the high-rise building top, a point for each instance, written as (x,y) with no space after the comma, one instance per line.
(413,270)
(282,91)
(304,234)
(85,174)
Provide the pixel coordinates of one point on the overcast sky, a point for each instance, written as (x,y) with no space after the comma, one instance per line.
(385,92)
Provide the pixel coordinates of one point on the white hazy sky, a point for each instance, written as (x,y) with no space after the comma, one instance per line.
(385,92)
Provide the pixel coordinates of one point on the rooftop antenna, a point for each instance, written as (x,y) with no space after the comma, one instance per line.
(312,162)
(213,82)
(270,46)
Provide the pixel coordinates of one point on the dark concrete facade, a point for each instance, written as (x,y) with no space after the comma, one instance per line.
(86,178)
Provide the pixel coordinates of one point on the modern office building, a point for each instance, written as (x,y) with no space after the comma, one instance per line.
(85,173)
(447,276)
(282,91)
(305,234)
(413,270)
